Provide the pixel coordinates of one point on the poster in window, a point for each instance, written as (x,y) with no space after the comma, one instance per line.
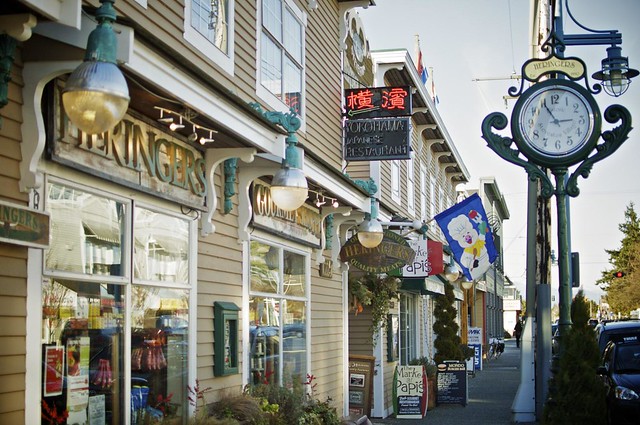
(54,368)
(77,378)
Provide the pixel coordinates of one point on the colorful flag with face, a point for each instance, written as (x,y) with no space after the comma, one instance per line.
(468,233)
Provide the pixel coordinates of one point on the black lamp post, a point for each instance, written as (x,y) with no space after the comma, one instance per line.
(615,74)
(556,125)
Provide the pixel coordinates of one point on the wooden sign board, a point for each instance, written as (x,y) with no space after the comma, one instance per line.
(360,384)
(410,392)
(452,382)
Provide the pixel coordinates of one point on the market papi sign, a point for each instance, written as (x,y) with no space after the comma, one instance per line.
(428,259)
(392,253)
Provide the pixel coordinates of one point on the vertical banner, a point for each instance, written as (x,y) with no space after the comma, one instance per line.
(474,340)
(410,392)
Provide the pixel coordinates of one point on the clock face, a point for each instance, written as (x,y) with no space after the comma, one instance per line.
(556,120)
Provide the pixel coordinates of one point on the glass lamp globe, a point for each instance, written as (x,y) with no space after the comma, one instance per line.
(466,284)
(96,96)
(370,233)
(451,273)
(289,188)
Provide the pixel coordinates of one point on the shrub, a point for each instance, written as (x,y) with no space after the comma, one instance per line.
(576,394)
(447,342)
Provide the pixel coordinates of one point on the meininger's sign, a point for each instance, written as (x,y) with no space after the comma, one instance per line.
(23,226)
(136,154)
(534,68)
(392,253)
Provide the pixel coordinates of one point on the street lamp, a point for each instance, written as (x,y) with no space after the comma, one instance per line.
(96,95)
(615,74)
(289,187)
(370,232)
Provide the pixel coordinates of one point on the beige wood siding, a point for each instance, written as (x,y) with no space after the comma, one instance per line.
(323,84)
(360,341)
(162,24)
(359,170)
(13,262)
(327,337)
(219,279)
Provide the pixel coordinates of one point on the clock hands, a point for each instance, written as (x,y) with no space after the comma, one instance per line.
(556,121)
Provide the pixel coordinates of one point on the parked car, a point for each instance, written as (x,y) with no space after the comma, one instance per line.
(555,340)
(607,331)
(620,371)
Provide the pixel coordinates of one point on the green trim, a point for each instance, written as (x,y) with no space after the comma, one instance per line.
(7,51)
(230,167)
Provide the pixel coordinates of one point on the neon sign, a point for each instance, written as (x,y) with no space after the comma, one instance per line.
(377,102)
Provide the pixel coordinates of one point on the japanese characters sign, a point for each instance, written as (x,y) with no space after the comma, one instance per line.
(377,102)
(377,139)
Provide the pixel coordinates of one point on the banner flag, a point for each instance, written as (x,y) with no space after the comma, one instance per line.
(469,236)
(424,75)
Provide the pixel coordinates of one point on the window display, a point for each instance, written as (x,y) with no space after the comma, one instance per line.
(105,251)
(277,315)
(82,349)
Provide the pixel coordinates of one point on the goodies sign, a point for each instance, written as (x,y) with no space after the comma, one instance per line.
(410,392)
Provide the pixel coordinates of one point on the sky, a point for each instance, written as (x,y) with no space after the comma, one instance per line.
(475,47)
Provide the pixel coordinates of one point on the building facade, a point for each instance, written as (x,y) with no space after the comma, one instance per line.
(163,260)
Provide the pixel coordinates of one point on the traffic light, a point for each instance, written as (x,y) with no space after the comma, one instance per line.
(618,274)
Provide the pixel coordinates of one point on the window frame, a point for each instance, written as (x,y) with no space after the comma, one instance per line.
(423,192)
(408,329)
(264,93)
(224,60)
(395,181)
(125,280)
(281,297)
(411,195)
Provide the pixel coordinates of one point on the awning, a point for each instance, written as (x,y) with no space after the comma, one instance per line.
(423,286)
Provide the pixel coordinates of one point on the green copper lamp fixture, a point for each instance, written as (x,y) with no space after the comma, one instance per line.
(96,95)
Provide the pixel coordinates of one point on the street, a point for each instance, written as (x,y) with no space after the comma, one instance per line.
(491,393)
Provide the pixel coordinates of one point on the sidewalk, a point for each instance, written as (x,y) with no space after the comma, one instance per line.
(491,393)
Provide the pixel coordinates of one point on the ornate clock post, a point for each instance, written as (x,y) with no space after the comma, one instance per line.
(556,125)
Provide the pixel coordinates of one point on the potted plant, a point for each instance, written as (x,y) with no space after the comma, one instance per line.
(431,370)
(377,293)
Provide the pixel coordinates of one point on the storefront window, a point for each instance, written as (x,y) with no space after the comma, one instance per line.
(82,341)
(159,329)
(277,315)
(92,266)
(88,231)
(160,248)
(408,349)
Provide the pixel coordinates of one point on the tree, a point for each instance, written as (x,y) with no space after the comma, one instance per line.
(622,282)
(576,393)
(447,342)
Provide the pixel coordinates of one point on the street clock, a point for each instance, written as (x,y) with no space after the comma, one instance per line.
(556,123)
